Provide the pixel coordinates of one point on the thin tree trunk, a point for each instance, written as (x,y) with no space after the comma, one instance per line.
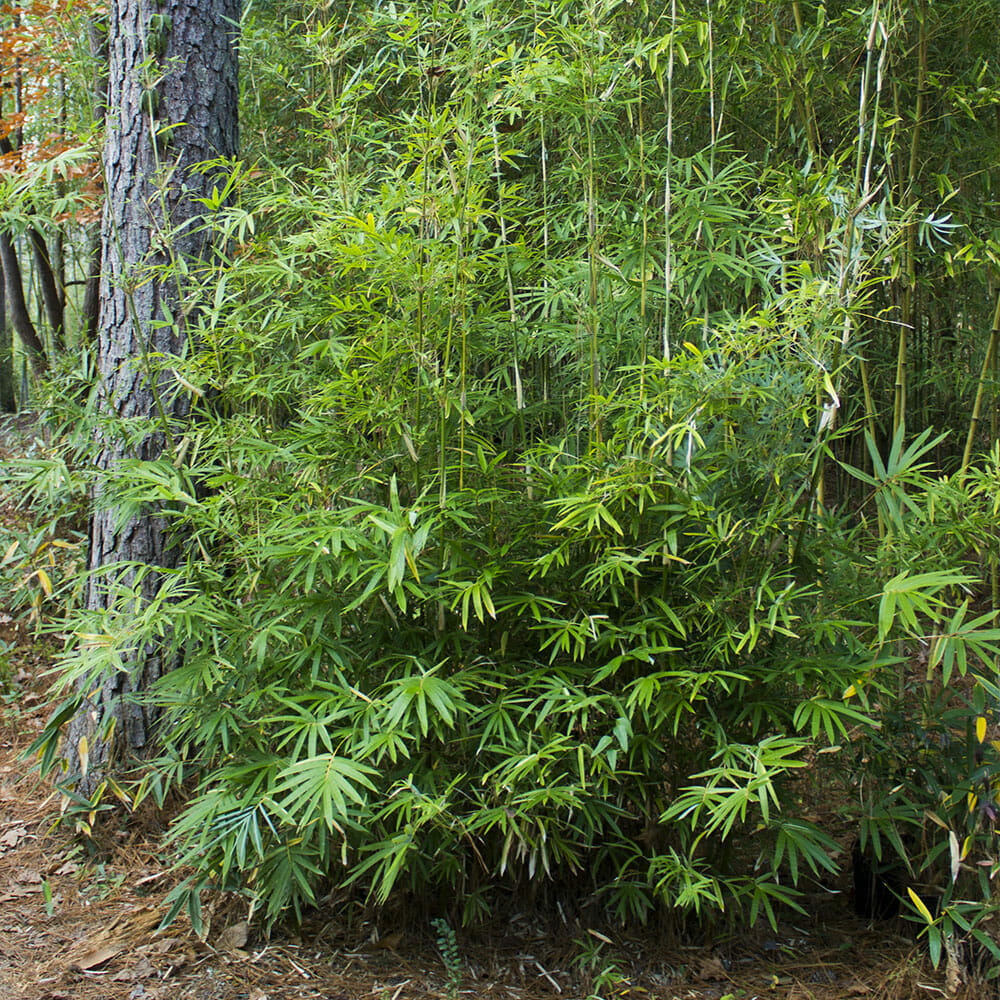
(17,306)
(10,266)
(97,40)
(8,401)
(90,314)
(977,406)
(51,296)
(154,138)
(907,305)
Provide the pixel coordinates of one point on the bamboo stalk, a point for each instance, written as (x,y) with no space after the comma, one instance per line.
(910,281)
(977,407)
(668,277)
(808,108)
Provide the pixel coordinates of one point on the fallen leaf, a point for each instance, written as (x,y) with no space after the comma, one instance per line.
(162,945)
(711,968)
(19,892)
(97,956)
(233,937)
(13,837)
(388,942)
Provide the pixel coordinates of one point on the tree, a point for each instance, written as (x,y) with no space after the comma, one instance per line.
(172,107)
(26,65)
(8,402)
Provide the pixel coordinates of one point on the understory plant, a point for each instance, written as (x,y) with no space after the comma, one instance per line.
(536,533)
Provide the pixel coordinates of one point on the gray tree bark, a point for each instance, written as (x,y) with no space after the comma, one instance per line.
(172,104)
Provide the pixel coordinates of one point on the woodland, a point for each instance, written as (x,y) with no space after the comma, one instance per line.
(550,459)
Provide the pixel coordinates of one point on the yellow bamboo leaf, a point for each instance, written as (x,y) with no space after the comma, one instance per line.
(936,819)
(972,800)
(981,728)
(84,750)
(120,793)
(966,844)
(920,906)
(850,692)
(11,549)
(43,579)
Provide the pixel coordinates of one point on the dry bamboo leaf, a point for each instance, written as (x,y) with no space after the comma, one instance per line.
(97,956)
(711,969)
(387,943)
(233,937)
(13,837)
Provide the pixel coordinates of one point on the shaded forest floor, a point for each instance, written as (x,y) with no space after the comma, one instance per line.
(79,925)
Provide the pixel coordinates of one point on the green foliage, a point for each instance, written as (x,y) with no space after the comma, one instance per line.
(516,547)
(447,942)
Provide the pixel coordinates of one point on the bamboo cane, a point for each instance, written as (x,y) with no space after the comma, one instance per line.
(981,389)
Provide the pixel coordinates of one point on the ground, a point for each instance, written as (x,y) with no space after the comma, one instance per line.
(75,925)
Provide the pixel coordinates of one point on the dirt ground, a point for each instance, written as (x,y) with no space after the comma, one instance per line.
(80,927)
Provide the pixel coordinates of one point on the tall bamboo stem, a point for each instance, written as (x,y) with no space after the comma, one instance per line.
(977,407)
(910,197)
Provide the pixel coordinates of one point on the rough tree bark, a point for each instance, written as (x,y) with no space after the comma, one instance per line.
(162,120)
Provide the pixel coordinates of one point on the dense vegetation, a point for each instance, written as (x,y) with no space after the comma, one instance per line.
(593,428)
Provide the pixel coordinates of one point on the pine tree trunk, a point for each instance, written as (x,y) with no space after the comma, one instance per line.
(155,134)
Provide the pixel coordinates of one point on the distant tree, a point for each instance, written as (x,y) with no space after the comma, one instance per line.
(34,45)
(8,401)
(172,105)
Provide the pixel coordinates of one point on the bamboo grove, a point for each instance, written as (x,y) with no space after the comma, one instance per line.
(591,462)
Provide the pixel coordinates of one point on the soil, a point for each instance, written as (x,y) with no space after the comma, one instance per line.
(81,925)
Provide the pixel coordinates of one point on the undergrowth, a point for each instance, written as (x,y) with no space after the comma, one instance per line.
(508,553)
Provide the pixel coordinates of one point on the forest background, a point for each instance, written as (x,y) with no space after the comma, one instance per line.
(588,456)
